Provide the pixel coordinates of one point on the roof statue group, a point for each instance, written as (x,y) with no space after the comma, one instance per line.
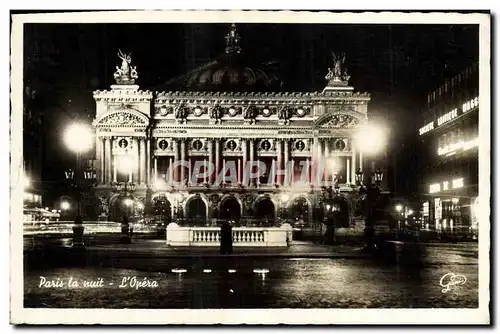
(126,74)
(336,76)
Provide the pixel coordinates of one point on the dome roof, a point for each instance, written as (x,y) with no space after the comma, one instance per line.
(230,72)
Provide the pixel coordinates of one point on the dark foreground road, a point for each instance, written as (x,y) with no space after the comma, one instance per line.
(232,282)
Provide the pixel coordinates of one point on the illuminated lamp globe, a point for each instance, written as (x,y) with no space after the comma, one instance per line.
(65,205)
(399,208)
(79,137)
(371,139)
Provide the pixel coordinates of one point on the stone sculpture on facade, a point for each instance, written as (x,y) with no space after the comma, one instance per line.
(126,74)
(249,114)
(284,115)
(180,113)
(215,114)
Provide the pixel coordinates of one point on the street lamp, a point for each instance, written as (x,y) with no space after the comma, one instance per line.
(372,193)
(65,205)
(371,139)
(399,208)
(79,139)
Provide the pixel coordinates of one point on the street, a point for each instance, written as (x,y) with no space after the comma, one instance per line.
(249,282)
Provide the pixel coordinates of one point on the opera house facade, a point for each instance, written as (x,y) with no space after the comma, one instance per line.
(226,143)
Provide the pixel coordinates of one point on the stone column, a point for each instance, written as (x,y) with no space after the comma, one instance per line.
(279,160)
(148,160)
(183,158)
(353,158)
(251,148)
(114,169)
(244,160)
(287,177)
(210,178)
(109,160)
(142,161)
(170,170)
(348,170)
(360,160)
(319,162)
(102,157)
(217,157)
(177,158)
(156,169)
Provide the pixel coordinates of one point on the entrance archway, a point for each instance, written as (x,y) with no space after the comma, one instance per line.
(300,211)
(265,210)
(341,214)
(162,209)
(196,211)
(121,206)
(230,209)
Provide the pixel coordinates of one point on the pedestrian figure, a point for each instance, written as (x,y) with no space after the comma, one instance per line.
(226,238)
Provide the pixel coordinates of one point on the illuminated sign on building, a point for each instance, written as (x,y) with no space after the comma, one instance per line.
(426,128)
(445,185)
(447,117)
(461,145)
(466,107)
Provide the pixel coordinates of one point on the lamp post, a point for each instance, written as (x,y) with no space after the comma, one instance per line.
(330,209)
(372,193)
(79,139)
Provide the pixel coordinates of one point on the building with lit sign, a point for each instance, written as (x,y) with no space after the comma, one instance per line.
(449,159)
(159,146)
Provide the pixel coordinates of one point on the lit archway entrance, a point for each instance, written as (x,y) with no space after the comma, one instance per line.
(300,212)
(196,211)
(121,206)
(265,211)
(230,209)
(341,213)
(162,209)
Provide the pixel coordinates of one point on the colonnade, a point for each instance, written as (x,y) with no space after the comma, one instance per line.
(144,163)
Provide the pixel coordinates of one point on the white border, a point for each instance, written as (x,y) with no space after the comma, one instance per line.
(258,316)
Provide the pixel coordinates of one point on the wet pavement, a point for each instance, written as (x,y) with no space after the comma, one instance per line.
(256,282)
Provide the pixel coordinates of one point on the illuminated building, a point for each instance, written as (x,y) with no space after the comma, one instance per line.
(449,138)
(226,113)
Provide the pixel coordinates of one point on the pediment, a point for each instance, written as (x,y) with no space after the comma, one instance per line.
(123,118)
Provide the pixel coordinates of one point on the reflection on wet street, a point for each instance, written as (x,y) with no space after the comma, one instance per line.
(261,283)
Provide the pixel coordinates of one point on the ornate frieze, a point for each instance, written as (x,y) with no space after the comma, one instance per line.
(122,118)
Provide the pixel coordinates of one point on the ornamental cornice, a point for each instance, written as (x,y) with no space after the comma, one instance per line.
(123,95)
(243,97)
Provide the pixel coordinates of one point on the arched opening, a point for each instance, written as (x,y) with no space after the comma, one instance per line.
(299,212)
(162,209)
(196,211)
(341,213)
(121,206)
(230,209)
(265,211)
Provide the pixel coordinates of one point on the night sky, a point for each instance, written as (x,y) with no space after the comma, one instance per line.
(397,64)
